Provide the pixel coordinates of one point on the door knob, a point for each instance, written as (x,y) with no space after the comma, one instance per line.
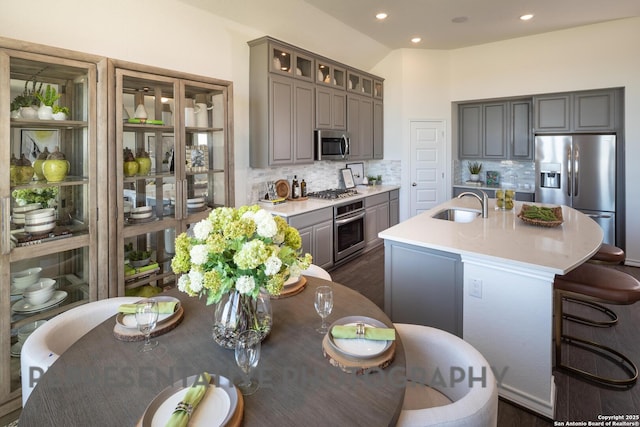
(414,184)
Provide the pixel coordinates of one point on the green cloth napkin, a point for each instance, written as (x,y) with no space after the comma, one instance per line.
(180,417)
(164,307)
(370,333)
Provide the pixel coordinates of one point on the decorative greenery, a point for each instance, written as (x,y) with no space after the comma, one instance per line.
(59,109)
(242,250)
(474,168)
(139,255)
(49,97)
(28,97)
(46,196)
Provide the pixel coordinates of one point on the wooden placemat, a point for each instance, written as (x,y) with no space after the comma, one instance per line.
(130,335)
(292,290)
(357,366)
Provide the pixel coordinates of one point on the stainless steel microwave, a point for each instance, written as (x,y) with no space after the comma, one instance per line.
(331,145)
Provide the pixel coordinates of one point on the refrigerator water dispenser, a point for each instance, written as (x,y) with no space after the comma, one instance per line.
(550,179)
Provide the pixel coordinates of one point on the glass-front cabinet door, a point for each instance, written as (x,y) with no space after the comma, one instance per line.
(172,168)
(48,146)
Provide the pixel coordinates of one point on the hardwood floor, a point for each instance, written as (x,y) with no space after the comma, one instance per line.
(576,400)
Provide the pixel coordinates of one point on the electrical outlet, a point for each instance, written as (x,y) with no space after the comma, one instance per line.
(476,288)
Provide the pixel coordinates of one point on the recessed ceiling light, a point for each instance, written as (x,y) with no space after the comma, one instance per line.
(459,19)
(416,40)
(380,16)
(526,17)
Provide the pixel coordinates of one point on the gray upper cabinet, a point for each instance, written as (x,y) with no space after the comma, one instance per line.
(293,92)
(521,130)
(360,126)
(495,130)
(552,113)
(470,133)
(378,129)
(587,111)
(282,105)
(594,111)
(331,112)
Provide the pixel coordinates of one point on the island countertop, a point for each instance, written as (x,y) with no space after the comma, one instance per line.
(504,237)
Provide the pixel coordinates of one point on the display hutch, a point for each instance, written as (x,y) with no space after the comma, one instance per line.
(59,243)
(181,124)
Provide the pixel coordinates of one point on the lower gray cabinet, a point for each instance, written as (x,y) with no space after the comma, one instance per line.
(423,286)
(376,218)
(394,207)
(316,232)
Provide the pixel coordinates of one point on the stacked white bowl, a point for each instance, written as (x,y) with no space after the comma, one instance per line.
(40,292)
(40,221)
(25,278)
(195,203)
(141,212)
(19,212)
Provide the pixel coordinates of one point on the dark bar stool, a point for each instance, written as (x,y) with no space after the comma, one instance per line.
(608,255)
(594,283)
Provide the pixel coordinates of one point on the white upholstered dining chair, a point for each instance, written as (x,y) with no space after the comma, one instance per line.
(316,271)
(449,382)
(50,340)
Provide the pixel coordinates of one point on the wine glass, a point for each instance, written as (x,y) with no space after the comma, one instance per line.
(247,357)
(147,317)
(324,305)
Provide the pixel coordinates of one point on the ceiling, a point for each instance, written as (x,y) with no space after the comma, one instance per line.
(486,20)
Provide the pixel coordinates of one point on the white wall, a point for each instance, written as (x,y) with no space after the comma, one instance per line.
(590,57)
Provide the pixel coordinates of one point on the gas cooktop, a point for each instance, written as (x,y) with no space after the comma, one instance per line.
(333,193)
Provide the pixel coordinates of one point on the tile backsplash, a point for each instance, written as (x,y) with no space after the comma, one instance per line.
(321,175)
(519,174)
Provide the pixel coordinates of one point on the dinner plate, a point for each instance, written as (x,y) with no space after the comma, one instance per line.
(23,306)
(215,409)
(359,347)
(129,320)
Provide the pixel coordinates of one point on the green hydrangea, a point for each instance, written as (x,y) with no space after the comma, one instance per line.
(237,254)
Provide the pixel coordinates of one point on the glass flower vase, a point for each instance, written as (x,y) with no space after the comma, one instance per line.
(235,313)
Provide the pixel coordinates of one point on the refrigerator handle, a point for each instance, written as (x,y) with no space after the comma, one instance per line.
(569,171)
(576,170)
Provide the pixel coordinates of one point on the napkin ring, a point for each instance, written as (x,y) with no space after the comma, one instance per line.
(184,406)
(360,330)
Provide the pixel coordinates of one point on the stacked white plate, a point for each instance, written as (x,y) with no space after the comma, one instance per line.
(195,203)
(19,212)
(141,212)
(40,221)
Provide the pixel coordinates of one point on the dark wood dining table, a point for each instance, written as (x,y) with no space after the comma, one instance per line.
(102,381)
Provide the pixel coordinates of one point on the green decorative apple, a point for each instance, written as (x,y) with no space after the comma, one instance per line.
(24,170)
(144,162)
(37,165)
(129,165)
(56,167)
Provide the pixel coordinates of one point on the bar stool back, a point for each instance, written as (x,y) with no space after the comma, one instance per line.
(598,284)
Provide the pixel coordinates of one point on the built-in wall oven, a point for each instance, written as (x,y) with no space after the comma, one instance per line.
(348,230)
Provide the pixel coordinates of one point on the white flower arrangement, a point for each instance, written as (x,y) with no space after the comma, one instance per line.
(242,249)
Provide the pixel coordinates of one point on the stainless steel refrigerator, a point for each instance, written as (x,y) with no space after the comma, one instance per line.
(579,171)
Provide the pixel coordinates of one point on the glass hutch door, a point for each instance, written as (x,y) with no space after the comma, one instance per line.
(48,197)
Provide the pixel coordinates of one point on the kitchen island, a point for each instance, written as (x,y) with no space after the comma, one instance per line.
(489,281)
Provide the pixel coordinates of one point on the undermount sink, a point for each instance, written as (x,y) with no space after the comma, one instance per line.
(457,215)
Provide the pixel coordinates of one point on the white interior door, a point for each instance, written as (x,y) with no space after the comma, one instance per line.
(428,165)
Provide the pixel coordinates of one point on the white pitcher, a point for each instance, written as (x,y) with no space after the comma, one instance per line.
(189,113)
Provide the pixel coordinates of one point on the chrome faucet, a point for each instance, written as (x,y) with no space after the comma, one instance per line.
(484,201)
